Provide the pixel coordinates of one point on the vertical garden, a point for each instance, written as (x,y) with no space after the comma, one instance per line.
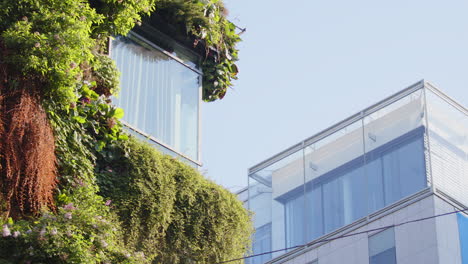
(74,187)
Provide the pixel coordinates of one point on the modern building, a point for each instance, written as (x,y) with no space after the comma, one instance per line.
(370,189)
(161,83)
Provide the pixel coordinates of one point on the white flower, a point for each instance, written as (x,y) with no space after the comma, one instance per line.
(6,231)
(104,244)
(16,234)
(53,231)
(42,232)
(68,215)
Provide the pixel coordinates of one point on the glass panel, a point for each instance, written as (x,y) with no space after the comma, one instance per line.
(169,45)
(412,167)
(283,183)
(260,203)
(382,247)
(388,168)
(374,171)
(159,95)
(314,213)
(162,148)
(404,170)
(261,244)
(386,257)
(295,221)
(334,178)
(448,138)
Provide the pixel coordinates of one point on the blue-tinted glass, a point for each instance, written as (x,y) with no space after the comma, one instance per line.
(404,171)
(354,196)
(391,168)
(295,222)
(333,205)
(261,244)
(463,236)
(386,257)
(412,169)
(353,190)
(375,185)
(382,247)
(314,213)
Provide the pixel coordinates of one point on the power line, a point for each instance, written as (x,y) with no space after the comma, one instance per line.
(347,235)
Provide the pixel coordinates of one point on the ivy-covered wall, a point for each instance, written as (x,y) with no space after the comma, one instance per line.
(74,188)
(168,210)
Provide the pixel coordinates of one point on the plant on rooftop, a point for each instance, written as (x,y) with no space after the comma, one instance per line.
(59,131)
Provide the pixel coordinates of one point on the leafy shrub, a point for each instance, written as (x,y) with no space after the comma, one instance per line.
(168,210)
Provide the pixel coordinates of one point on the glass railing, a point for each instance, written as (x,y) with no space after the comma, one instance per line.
(448,144)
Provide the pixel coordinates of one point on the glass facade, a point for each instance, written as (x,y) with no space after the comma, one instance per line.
(365,163)
(160,94)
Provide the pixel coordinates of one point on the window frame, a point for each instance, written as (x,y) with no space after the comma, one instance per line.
(150,138)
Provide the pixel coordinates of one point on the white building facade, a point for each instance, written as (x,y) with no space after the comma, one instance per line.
(369,189)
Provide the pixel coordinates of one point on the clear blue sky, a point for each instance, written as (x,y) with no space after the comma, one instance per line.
(307,64)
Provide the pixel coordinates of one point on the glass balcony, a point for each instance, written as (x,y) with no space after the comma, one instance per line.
(359,166)
(160,94)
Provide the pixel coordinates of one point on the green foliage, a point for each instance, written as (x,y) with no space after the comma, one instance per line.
(160,206)
(72,235)
(205,21)
(49,39)
(120,15)
(170,211)
(106,75)
(83,229)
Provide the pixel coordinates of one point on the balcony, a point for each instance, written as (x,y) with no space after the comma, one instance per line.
(414,140)
(161,91)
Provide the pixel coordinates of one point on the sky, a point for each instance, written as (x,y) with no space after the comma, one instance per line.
(307,64)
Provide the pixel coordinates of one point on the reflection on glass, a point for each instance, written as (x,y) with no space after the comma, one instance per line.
(346,175)
(261,243)
(159,95)
(339,197)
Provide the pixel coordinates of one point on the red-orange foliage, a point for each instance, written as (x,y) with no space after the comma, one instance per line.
(29,174)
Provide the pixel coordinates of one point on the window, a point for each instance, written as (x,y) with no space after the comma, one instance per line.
(261,244)
(160,95)
(382,247)
(391,172)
